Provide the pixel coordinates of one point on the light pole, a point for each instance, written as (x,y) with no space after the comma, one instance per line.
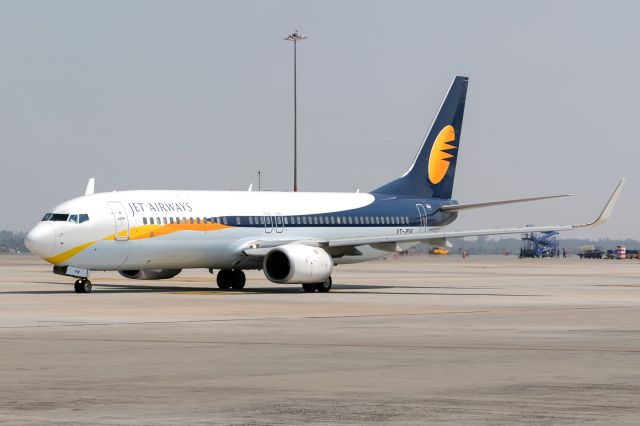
(295,37)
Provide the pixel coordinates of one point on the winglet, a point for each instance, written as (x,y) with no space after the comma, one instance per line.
(90,187)
(250,187)
(608,208)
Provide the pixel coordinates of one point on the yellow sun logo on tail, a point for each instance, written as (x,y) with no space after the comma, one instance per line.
(439,157)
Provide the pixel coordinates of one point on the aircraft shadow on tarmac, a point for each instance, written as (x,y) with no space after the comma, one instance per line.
(337,288)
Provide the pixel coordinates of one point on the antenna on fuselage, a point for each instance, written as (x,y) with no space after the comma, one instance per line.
(90,187)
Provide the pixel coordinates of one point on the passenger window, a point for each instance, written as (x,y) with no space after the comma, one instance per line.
(184,220)
(151,220)
(73,218)
(171,221)
(315,220)
(191,220)
(237,220)
(250,220)
(350,220)
(83,218)
(333,220)
(198,220)
(304,220)
(286,222)
(164,220)
(224,220)
(144,220)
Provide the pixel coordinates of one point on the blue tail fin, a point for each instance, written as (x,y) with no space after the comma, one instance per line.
(432,172)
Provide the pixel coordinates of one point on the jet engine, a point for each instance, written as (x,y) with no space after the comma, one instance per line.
(297,264)
(150,274)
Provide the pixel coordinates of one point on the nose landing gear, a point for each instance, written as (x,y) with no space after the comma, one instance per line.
(82,285)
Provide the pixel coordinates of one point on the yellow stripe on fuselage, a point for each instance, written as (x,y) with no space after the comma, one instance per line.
(149,231)
(59,258)
(140,233)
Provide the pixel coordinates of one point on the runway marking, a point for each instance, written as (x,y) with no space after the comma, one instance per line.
(314,317)
(325,344)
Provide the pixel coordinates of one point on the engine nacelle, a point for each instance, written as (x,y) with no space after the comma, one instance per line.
(297,264)
(150,274)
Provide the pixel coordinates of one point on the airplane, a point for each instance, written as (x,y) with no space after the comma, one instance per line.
(293,237)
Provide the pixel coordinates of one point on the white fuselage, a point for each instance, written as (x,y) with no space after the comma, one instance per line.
(208,229)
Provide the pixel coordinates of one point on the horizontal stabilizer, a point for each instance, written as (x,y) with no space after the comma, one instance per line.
(458,207)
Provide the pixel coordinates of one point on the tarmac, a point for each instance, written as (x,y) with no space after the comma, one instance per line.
(417,340)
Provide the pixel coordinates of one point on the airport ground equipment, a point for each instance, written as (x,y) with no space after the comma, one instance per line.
(621,252)
(590,252)
(540,244)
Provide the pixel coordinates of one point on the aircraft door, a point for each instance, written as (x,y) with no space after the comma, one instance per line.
(268,223)
(279,224)
(422,212)
(120,219)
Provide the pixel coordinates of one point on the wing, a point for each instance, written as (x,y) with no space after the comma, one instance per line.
(261,248)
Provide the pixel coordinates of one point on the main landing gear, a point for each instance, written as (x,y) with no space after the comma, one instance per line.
(323,287)
(228,278)
(82,285)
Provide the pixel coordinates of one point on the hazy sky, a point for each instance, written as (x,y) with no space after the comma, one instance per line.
(198,95)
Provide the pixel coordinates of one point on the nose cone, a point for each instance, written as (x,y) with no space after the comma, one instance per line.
(41,240)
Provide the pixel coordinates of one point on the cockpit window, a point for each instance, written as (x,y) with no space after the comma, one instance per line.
(84,217)
(73,218)
(46,217)
(59,217)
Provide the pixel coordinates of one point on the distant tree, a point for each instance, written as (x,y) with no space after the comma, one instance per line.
(12,241)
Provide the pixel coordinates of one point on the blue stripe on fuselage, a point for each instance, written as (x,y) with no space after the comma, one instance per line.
(386,210)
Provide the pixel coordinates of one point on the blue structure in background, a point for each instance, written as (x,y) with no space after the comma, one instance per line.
(540,244)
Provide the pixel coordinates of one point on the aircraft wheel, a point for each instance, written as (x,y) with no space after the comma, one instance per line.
(223,279)
(238,279)
(309,288)
(82,286)
(325,286)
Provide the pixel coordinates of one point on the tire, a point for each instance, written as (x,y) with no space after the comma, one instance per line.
(238,279)
(223,279)
(325,286)
(309,288)
(76,287)
(85,286)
